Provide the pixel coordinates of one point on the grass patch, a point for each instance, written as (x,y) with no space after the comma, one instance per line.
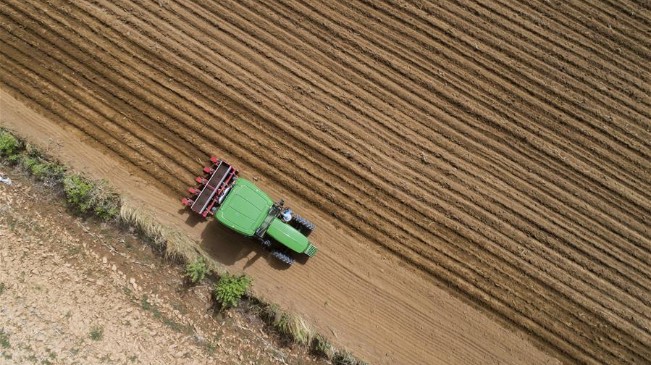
(42,169)
(344,358)
(4,340)
(173,245)
(97,333)
(144,303)
(320,346)
(88,196)
(230,289)
(85,196)
(196,270)
(292,327)
(9,145)
(2,288)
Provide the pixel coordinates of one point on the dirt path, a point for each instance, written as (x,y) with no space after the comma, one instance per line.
(82,292)
(500,150)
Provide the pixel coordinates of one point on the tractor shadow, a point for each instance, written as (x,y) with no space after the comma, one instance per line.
(191,219)
(228,247)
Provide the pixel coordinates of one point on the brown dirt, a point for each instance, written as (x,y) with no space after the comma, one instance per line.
(63,278)
(499,151)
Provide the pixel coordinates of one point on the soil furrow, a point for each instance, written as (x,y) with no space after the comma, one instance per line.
(555,31)
(499,151)
(125,121)
(222,23)
(639,161)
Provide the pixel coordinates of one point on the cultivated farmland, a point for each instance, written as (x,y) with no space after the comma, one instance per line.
(499,149)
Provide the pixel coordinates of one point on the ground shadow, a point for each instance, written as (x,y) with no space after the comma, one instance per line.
(228,247)
(192,219)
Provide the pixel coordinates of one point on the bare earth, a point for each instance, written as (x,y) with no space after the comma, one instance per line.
(61,279)
(480,173)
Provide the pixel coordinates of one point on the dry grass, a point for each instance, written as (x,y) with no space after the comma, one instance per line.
(174,245)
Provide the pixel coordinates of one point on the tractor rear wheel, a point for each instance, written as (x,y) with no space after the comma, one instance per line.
(303,225)
(282,257)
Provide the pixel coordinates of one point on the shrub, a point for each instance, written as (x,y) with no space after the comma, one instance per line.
(78,190)
(230,289)
(87,196)
(321,347)
(344,358)
(41,169)
(196,270)
(9,145)
(294,328)
(291,326)
(4,339)
(97,333)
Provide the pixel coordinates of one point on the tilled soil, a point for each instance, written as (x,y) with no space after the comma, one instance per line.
(501,149)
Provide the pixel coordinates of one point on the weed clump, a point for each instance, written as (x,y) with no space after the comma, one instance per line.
(229,290)
(97,333)
(91,197)
(344,358)
(321,347)
(294,327)
(196,270)
(41,169)
(9,145)
(4,340)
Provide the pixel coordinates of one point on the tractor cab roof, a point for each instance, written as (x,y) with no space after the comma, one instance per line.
(244,208)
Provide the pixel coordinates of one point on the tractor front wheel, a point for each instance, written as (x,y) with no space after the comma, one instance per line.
(303,225)
(265,243)
(282,257)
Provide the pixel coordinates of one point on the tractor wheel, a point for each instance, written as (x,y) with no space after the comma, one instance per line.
(303,225)
(282,257)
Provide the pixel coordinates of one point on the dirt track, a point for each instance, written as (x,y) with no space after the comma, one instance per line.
(491,147)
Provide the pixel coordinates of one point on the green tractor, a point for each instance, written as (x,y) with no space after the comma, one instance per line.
(240,205)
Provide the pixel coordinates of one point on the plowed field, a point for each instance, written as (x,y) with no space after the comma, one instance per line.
(502,149)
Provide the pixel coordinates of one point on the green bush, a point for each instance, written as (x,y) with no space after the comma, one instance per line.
(87,196)
(9,145)
(230,289)
(41,169)
(344,358)
(78,192)
(196,270)
(321,347)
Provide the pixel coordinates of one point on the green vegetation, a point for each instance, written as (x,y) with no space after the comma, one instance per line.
(97,333)
(91,196)
(230,289)
(2,288)
(321,347)
(344,358)
(84,195)
(9,145)
(41,169)
(4,340)
(196,270)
